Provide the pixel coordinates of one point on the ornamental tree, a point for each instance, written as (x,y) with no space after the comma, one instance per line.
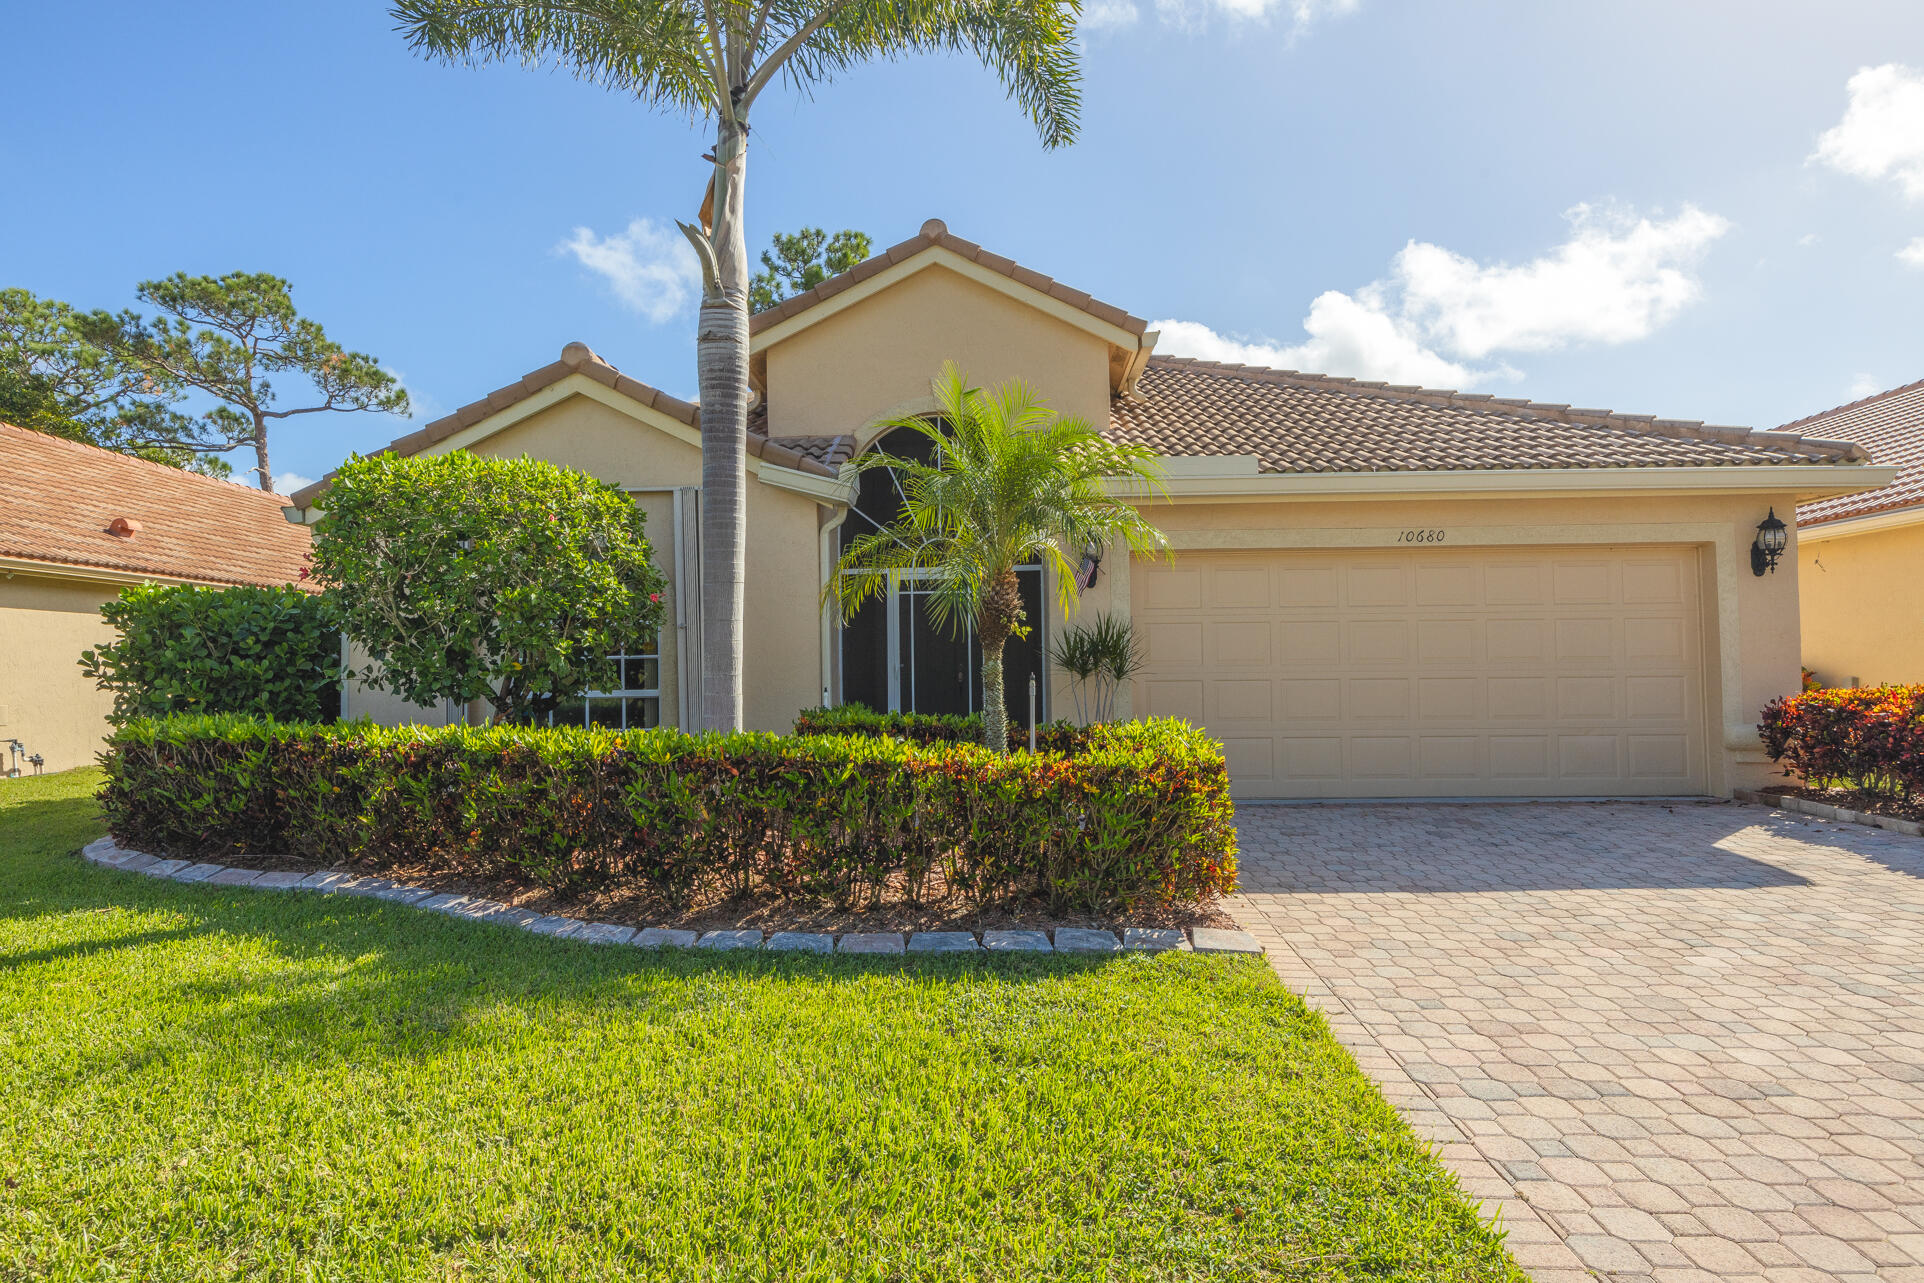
(229,336)
(464,577)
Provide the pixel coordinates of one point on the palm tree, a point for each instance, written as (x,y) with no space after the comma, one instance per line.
(1010,482)
(712,59)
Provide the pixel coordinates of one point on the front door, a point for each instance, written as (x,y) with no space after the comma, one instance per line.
(897,657)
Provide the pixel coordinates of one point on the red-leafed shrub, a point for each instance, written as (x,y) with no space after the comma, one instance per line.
(1139,814)
(1870,739)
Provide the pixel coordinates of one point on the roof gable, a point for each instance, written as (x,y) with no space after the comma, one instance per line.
(1302,423)
(932,246)
(1890,426)
(539,389)
(58,497)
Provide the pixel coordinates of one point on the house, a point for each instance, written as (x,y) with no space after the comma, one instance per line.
(1376,591)
(78,524)
(1861,556)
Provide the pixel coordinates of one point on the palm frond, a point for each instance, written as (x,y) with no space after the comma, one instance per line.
(656,50)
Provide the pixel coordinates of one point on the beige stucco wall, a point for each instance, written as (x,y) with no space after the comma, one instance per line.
(783,657)
(1863,606)
(877,356)
(1749,625)
(45,701)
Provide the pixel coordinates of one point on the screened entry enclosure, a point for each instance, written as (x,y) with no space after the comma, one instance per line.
(896,656)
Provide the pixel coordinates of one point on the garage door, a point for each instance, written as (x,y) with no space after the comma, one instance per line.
(1433,672)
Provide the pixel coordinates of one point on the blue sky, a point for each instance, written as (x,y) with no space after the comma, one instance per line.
(1704,210)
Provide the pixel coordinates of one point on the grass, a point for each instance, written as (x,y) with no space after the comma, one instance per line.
(208,1083)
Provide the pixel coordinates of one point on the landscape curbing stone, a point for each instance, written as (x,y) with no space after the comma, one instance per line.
(869,942)
(1825,811)
(1152,939)
(730,940)
(106,852)
(1218,940)
(942,942)
(1017,941)
(664,937)
(801,942)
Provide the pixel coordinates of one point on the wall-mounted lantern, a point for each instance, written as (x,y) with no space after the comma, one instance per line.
(1772,535)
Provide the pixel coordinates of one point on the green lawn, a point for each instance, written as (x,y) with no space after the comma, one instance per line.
(202,1083)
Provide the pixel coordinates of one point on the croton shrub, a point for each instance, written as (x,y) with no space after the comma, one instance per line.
(1870,738)
(1141,815)
(933,728)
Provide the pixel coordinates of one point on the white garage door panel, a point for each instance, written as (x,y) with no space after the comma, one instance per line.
(1433,672)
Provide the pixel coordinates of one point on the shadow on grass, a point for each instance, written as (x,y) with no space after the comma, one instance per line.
(301,975)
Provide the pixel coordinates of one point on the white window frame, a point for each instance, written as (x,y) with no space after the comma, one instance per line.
(587,698)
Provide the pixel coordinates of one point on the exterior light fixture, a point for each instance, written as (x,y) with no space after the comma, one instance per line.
(1772,535)
(1091,566)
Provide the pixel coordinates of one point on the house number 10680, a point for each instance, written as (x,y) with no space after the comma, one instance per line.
(1419,536)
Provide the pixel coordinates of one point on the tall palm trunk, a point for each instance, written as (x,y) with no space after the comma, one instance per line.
(1001,614)
(721,359)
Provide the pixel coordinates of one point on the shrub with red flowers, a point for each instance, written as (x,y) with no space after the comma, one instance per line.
(1870,739)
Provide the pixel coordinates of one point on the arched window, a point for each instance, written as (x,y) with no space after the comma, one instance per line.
(894,656)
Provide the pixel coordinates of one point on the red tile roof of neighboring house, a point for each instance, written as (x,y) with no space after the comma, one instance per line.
(935,235)
(1890,426)
(805,454)
(1319,423)
(59,501)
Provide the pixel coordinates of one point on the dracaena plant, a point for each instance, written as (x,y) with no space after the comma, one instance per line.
(1011,482)
(711,60)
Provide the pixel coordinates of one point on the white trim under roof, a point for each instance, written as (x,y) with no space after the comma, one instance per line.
(1869,523)
(1231,477)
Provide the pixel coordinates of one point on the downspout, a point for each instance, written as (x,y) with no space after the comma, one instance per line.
(831,653)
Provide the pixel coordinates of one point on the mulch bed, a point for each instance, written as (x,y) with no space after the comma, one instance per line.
(638,907)
(1854,800)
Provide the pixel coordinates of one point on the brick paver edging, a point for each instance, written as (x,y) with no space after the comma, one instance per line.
(108,854)
(1825,811)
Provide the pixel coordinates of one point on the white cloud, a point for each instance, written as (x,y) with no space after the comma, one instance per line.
(1882,132)
(1808,239)
(1191,15)
(288,482)
(1100,15)
(1912,255)
(652,269)
(1615,280)
(1346,337)
(1864,385)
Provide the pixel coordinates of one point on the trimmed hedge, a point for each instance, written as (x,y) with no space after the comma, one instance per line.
(933,728)
(1141,816)
(1870,739)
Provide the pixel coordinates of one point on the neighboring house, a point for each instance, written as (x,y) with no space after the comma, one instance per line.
(1861,556)
(1376,591)
(77,524)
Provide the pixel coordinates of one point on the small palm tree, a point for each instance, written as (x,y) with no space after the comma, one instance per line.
(1011,482)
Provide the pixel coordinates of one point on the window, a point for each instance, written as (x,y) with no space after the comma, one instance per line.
(635,704)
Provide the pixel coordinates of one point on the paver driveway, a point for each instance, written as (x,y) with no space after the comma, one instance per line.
(1673,1041)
